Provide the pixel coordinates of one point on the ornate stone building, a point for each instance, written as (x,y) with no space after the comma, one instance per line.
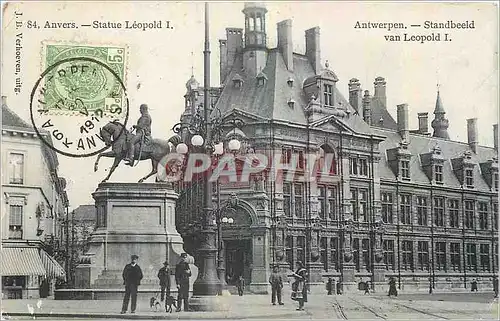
(400,203)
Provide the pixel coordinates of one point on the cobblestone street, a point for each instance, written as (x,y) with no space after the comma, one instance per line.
(345,307)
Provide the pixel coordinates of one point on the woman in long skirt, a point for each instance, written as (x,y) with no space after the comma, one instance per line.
(299,287)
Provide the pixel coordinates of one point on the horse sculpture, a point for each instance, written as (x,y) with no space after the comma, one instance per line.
(116,135)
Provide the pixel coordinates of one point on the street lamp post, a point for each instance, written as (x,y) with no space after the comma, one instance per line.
(206,130)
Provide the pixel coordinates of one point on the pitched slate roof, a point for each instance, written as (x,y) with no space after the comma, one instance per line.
(13,121)
(421,144)
(378,112)
(270,100)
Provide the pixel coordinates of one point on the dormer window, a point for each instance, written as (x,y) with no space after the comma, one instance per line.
(290,81)
(438,173)
(405,169)
(291,103)
(261,79)
(469,179)
(237,81)
(328,94)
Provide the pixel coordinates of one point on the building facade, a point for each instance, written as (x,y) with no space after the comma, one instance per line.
(402,203)
(34,205)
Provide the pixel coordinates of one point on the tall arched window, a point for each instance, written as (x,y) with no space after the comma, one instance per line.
(258,23)
(252,23)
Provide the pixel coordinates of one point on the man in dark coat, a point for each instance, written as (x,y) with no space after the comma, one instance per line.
(329,286)
(164,276)
(276,281)
(132,276)
(240,284)
(182,274)
(392,287)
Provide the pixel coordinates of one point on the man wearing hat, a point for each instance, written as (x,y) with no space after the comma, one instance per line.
(132,276)
(142,132)
(182,274)
(164,276)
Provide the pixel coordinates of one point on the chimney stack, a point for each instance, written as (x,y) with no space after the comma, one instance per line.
(285,44)
(403,129)
(223,60)
(313,50)
(367,108)
(234,44)
(472,134)
(355,95)
(380,94)
(423,123)
(495,136)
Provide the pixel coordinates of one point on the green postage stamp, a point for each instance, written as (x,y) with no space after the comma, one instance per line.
(78,76)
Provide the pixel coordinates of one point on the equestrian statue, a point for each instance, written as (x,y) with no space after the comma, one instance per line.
(129,147)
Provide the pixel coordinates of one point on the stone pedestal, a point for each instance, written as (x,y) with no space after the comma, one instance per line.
(348,280)
(316,284)
(132,219)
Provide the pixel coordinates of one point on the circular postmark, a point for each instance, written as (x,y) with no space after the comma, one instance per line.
(72,101)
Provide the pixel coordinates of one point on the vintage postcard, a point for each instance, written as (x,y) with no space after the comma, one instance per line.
(249,160)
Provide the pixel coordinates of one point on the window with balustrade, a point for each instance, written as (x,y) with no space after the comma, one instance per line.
(423,255)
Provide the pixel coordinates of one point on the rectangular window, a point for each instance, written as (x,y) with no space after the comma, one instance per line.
(495,216)
(322,201)
(353,168)
(301,245)
(421,210)
(289,250)
(469,214)
(355,253)
(407,255)
(453,212)
(299,200)
(332,202)
(471,257)
(423,255)
(483,215)
(322,252)
(16,222)
(439,211)
(438,173)
(469,178)
(354,204)
(455,256)
(287,199)
(405,208)
(405,169)
(366,253)
(334,253)
(388,251)
(441,255)
(363,167)
(328,94)
(363,206)
(286,155)
(484,257)
(16,173)
(386,200)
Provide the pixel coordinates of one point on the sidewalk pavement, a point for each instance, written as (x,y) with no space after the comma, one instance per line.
(245,307)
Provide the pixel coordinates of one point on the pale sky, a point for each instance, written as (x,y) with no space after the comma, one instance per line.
(161,60)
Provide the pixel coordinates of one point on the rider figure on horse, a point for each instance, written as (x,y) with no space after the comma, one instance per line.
(142,131)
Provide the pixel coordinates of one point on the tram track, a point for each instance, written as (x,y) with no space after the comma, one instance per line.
(415,309)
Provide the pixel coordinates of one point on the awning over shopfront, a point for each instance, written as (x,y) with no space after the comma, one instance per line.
(21,261)
(53,268)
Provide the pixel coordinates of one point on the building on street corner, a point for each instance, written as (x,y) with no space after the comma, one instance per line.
(34,205)
(398,202)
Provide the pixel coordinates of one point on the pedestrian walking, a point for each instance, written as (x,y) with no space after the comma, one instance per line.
(240,284)
(164,276)
(132,276)
(495,286)
(473,285)
(367,287)
(392,287)
(329,286)
(276,281)
(299,287)
(339,287)
(182,274)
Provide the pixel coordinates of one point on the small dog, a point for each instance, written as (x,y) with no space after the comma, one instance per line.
(154,303)
(169,302)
